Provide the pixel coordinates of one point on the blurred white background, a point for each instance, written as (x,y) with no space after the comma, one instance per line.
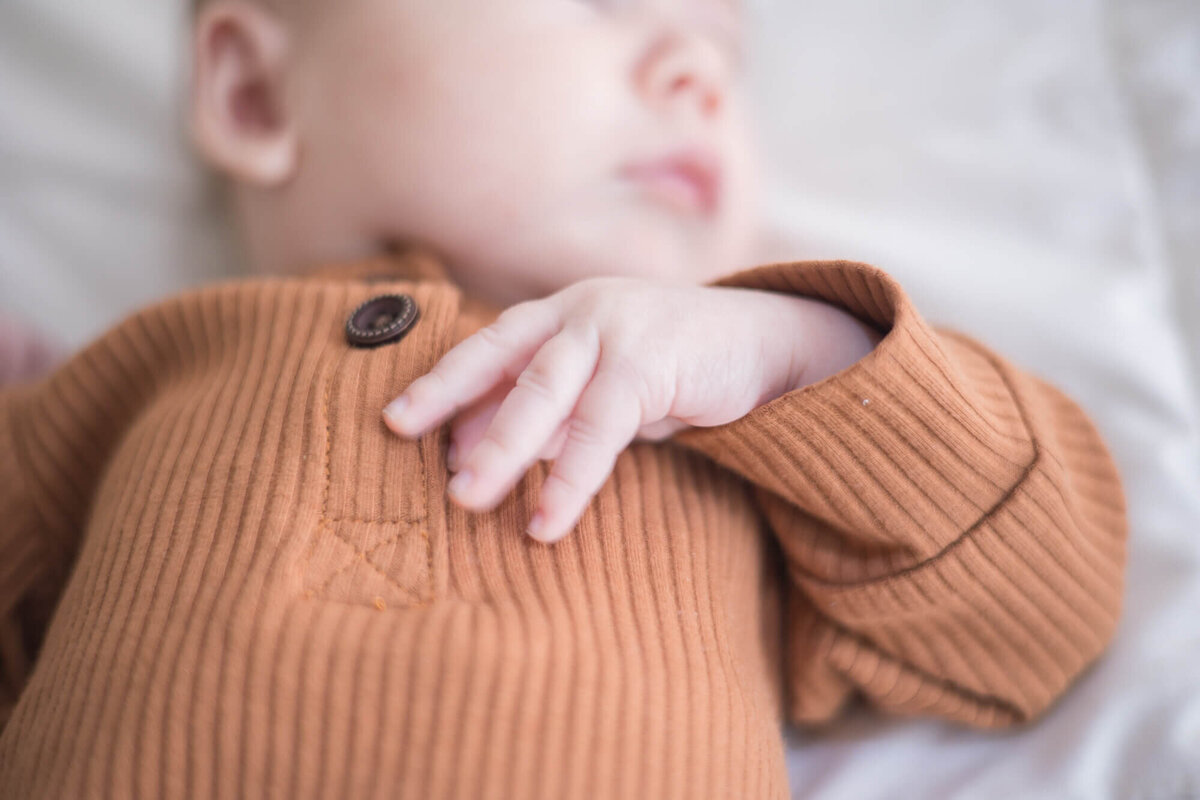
(1029,170)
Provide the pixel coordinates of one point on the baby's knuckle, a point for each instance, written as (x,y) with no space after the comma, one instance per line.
(439,376)
(512,315)
(591,286)
(493,335)
(563,485)
(599,296)
(627,372)
(501,441)
(538,381)
(586,433)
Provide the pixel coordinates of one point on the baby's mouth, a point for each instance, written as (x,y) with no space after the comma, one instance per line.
(686,180)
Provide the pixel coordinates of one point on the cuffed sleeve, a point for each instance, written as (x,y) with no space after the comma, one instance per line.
(954,528)
(56,435)
(29,565)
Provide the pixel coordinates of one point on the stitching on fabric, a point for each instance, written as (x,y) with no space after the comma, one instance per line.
(948,631)
(364,555)
(979,523)
(386,521)
(312,547)
(328,451)
(858,461)
(328,523)
(448,336)
(424,530)
(965,535)
(981,700)
(966,341)
(941,440)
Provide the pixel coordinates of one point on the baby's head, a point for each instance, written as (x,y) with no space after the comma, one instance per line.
(530,143)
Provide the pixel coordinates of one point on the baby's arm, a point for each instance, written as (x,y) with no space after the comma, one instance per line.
(30,570)
(56,434)
(954,528)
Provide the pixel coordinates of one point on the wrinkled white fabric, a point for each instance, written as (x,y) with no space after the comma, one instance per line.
(102,207)
(1031,172)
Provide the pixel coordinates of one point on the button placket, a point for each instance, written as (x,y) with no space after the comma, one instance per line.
(374,544)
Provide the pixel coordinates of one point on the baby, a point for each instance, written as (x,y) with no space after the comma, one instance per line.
(692,498)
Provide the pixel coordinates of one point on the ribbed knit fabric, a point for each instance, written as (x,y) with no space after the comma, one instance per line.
(221,576)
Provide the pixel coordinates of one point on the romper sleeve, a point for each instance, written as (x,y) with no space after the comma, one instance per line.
(954,529)
(56,435)
(33,550)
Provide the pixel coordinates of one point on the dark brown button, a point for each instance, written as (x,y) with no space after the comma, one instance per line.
(381,320)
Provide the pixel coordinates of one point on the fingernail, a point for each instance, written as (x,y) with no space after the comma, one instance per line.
(459,484)
(535,525)
(452,457)
(396,408)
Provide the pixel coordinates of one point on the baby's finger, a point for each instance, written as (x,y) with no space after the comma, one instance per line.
(543,396)
(472,422)
(473,366)
(469,427)
(552,448)
(605,421)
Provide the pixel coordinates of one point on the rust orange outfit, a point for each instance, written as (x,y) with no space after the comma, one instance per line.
(221,575)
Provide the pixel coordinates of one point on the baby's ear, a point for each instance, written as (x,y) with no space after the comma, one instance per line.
(239,119)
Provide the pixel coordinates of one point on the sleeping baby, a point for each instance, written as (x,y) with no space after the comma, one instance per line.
(510,474)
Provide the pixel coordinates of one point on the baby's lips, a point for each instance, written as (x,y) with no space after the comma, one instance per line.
(688,179)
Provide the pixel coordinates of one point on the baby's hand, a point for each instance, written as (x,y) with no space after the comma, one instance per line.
(577,375)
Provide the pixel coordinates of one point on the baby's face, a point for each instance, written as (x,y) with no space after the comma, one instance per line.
(533,142)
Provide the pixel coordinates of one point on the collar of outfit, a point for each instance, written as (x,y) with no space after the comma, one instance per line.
(406,262)
(410,263)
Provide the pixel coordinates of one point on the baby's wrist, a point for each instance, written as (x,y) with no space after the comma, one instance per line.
(834,340)
(812,341)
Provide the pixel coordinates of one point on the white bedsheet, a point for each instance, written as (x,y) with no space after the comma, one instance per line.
(1030,170)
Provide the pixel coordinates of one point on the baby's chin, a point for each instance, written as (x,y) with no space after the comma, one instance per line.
(649,259)
(689,254)
(537,259)
(651,243)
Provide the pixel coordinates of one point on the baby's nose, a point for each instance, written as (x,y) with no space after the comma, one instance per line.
(684,70)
